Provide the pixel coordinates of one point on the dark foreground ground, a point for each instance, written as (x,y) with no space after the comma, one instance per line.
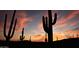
(66,43)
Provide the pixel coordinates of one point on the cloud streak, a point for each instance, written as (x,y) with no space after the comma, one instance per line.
(23,20)
(67,17)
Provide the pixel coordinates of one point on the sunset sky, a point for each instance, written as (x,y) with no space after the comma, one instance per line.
(66,25)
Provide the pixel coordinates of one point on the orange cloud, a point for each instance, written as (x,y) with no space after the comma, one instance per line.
(58,36)
(71,31)
(38,38)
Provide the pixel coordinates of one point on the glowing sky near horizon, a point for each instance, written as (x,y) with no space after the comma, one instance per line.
(67,23)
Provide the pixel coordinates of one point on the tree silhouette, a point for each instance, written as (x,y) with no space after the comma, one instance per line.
(11,30)
(47,24)
(22,36)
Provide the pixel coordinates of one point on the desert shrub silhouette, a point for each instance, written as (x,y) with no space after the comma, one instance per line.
(22,36)
(46,37)
(47,24)
(30,39)
(57,38)
(11,30)
(68,36)
(77,35)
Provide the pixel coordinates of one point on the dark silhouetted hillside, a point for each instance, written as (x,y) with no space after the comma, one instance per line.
(65,43)
(68,43)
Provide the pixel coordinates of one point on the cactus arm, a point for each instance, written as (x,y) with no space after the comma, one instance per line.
(13,29)
(11,25)
(5,26)
(55,19)
(45,24)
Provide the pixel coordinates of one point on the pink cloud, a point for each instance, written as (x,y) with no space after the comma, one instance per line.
(62,22)
(23,20)
(73,24)
(69,16)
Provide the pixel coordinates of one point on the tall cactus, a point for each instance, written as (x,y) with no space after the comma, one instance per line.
(12,24)
(47,24)
(22,36)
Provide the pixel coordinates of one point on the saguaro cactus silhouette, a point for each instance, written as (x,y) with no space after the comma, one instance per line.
(47,24)
(22,36)
(11,31)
